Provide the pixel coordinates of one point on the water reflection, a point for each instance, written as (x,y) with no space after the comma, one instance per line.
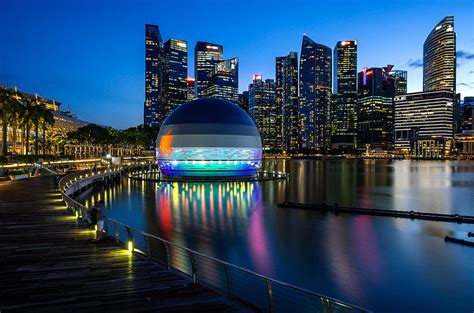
(365,260)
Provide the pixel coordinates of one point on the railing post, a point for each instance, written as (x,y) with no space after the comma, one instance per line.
(106,227)
(130,239)
(270,296)
(116,234)
(228,277)
(147,245)
(193,266)
(327,305)
(168,256)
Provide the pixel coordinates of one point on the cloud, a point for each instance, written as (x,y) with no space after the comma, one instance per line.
(467,85)
(465,55)
(461,56)
(415,63)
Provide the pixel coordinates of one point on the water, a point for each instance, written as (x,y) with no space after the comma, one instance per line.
(383,264)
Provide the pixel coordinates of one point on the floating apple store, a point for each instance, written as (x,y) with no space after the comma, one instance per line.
(209,137)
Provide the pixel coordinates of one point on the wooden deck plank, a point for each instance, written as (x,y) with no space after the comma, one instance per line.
(49,264)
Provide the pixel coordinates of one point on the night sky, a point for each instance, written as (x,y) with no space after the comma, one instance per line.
(90,54)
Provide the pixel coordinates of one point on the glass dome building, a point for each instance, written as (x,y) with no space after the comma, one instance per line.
(209,137)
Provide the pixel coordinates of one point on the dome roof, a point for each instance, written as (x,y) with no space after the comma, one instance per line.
(209,111)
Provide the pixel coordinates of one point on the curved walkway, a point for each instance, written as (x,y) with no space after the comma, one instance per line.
(48,263)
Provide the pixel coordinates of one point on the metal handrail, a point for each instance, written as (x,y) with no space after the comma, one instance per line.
(261,175)
(68,180)
(326,302)
(266,278)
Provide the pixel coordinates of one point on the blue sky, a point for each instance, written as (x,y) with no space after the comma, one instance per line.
(90,54)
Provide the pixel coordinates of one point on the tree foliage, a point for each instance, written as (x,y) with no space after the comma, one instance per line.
(92,134)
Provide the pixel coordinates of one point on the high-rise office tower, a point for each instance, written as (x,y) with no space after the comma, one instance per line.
(153,84)
(400,80)
(206,55)
(344,100)
(244,101)
(423,114)
(190,89)
(315,94)
(263,109)
(287,102)
(376,89)
(224,81)
(375,82)
(439,57)
(175,70)
(467,116)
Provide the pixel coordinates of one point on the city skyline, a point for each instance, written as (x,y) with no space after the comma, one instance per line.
(122,90)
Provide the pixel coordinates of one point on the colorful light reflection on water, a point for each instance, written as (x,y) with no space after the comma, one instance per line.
(364,260)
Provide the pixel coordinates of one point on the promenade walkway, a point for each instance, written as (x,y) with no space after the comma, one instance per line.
(48,263)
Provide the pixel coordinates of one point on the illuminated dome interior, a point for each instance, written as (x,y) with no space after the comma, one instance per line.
(209,137)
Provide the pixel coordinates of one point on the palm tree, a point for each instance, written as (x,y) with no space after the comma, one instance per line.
(58,141)
(36,117)
(7,102)
(48,120)
(30,104)
(15,121)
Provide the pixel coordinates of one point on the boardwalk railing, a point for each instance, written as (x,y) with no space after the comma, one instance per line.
(237,283)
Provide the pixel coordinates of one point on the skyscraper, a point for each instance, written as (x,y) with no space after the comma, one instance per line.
(224,81)
(467,116)
(287,102)
(190,89)
(153,84)
(244,101)
(439,57)
(376,89)
(315,94)
(175,70)
(206,55)
(263,109)
(423,114)
(373,82)
(344,100)
(400,78)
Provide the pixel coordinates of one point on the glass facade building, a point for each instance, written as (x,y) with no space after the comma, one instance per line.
(264,111)
(206,55)
(375,125)
(286,72)
(422,115)
(190,89)
(439,57)
(315,93)
(175,71)
(207,138)
(244,101)
(344,100)
(401,80)
(224,81)
(467,117)
(376,89)
(153,83)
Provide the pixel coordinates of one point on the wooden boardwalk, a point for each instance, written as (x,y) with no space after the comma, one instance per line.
(48,263)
